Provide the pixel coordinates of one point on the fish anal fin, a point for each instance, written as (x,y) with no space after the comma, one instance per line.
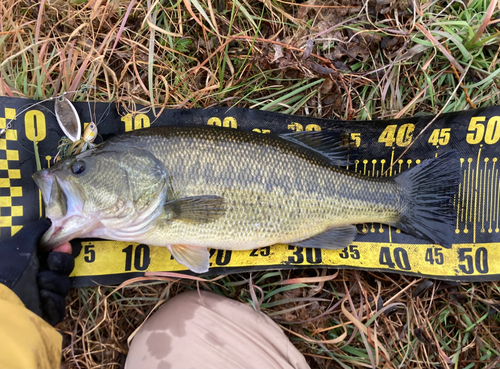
(332,239)
(200,209)
(195,258)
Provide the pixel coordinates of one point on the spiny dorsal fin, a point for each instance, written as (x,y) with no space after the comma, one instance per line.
(327,143)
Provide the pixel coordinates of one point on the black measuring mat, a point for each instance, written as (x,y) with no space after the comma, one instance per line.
(475,134)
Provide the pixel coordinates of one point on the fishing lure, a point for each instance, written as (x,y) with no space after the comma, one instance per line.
(68,147)
(74,142)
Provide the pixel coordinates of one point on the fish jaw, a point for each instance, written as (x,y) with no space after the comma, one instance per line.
(54,199)
(64,207)
(66,229)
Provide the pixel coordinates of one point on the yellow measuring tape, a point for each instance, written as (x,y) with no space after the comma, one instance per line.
(464,261)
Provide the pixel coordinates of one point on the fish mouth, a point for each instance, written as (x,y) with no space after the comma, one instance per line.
(64,208)
(54,195)
(44,180)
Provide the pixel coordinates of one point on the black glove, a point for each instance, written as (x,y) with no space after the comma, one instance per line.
(40,281)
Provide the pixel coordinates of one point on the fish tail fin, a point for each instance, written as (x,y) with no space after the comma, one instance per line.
(429,189)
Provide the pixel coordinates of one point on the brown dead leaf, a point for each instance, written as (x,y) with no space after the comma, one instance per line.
(308,50)
(319,68)
(326,86)
(278,52)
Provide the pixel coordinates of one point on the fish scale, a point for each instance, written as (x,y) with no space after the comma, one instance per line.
(274,192)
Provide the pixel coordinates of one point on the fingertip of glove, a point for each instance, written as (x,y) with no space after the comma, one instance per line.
(53,307)
(61,262)
(55,282)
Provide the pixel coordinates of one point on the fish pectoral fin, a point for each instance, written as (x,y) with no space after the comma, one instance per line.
(201,209)
(195,258)
(333,239)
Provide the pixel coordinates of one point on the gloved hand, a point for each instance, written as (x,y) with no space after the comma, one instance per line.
(40,281)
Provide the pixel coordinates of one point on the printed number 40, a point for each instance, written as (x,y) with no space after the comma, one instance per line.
(401,135)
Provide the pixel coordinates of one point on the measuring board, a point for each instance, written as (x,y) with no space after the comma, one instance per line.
(475,134)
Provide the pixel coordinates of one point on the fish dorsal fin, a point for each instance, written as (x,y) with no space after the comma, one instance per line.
(327,143)
(333,239)
(200,209)
(195,258)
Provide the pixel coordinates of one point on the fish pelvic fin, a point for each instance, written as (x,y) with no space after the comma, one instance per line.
(199,209)
(195,258)
(332,239)
(428,190)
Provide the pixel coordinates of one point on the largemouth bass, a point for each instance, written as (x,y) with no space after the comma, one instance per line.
(190,189)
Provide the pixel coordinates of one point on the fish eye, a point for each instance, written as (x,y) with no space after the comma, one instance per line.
(78,167)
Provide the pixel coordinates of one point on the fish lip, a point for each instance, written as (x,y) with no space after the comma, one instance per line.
(67,224)
(47,241)
(52,186)
(44,180)
(64,230)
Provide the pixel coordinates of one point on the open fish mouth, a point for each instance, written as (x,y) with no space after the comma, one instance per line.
(53,194)
(63,207)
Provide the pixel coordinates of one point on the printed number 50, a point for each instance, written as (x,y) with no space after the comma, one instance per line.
(478,132)
(479,260)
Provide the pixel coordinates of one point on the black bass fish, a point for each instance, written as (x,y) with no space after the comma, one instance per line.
(190,189)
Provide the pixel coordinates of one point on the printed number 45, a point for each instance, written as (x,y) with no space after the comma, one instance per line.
(434,255)
(350,252)
(440,137)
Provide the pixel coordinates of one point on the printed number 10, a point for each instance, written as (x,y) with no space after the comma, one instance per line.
(140,121)
(140,257)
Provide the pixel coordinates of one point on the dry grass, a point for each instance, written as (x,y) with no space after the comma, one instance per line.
(342,319)
(340,59)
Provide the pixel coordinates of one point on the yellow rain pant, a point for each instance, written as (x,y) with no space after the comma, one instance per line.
(27,340)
